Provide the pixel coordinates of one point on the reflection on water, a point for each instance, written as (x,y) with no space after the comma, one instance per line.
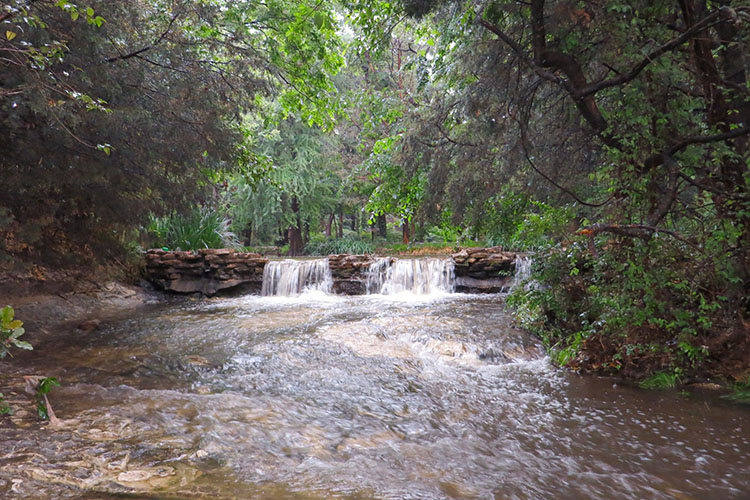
(355,397)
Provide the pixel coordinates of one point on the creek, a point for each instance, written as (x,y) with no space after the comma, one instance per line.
(393,395)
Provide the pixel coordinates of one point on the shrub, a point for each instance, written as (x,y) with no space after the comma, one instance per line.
(635,308)
(201,228)
(339,245)
(43,407)
(10,331)
(660,380)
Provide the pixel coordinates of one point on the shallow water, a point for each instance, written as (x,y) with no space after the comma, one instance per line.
(354,397)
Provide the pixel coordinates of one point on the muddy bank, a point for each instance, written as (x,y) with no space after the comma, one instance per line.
(43,308)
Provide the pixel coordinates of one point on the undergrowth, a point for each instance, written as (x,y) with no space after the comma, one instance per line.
(339,246)
(200,228)
(644,310)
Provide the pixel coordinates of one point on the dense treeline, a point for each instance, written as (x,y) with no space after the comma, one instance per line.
(114,111)
(611,138)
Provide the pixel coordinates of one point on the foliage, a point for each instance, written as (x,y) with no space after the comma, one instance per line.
(253,208)
(338,246)
(10,331)
(741,392)
(532,121)
(44,388)
(625,308)
(113,111)
(5,408)
(200,228)
(517,221)
(660,380)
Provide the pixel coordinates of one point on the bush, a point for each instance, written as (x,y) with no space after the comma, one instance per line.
(525,224)
(201,228)
(634,308)
(10,330)
(338,246)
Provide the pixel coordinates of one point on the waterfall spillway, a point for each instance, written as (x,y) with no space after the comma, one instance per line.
(522,265)
(291,277)
(418,276)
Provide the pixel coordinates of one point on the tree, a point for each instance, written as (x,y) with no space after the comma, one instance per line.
(637,112)
(127,114)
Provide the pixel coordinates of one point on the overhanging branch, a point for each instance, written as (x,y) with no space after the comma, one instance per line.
(718,16)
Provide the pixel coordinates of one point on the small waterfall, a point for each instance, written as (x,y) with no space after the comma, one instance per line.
(289,277)
(418,276)
(377,274)
(523,270)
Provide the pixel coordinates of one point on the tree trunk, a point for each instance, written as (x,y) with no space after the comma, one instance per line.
(329,223)
(295,232)
(405,231)
(382,227)
(340,233)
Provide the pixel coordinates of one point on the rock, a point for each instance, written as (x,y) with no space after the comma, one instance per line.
(89,326)
(216,251)
(467,284)
(707,385)
(206,271)
(134,476)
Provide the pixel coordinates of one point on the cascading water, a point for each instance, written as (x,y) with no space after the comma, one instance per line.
(291,277)
(418,276)
(377,274)
(523,270)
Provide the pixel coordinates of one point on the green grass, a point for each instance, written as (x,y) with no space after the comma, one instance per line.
(339,245)
(660,380)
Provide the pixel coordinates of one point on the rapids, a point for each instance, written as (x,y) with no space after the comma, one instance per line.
(378,396)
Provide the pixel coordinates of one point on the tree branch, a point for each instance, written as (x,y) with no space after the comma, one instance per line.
(8,15)
(658,159)
(146,49)
(559,61)
(707,22)
(642,231)
(524,146)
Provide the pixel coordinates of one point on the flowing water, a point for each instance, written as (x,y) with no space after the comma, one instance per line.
(427,276)
(381,396)
(290,277)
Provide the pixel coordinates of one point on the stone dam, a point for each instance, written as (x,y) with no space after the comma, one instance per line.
(209,271)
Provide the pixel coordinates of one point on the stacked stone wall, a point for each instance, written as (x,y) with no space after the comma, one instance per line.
(484,270)
(478,270)
(349,273)
(205,271)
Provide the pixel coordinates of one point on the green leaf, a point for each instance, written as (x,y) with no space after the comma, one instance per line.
(23,345)
(17,332)
(6,314)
